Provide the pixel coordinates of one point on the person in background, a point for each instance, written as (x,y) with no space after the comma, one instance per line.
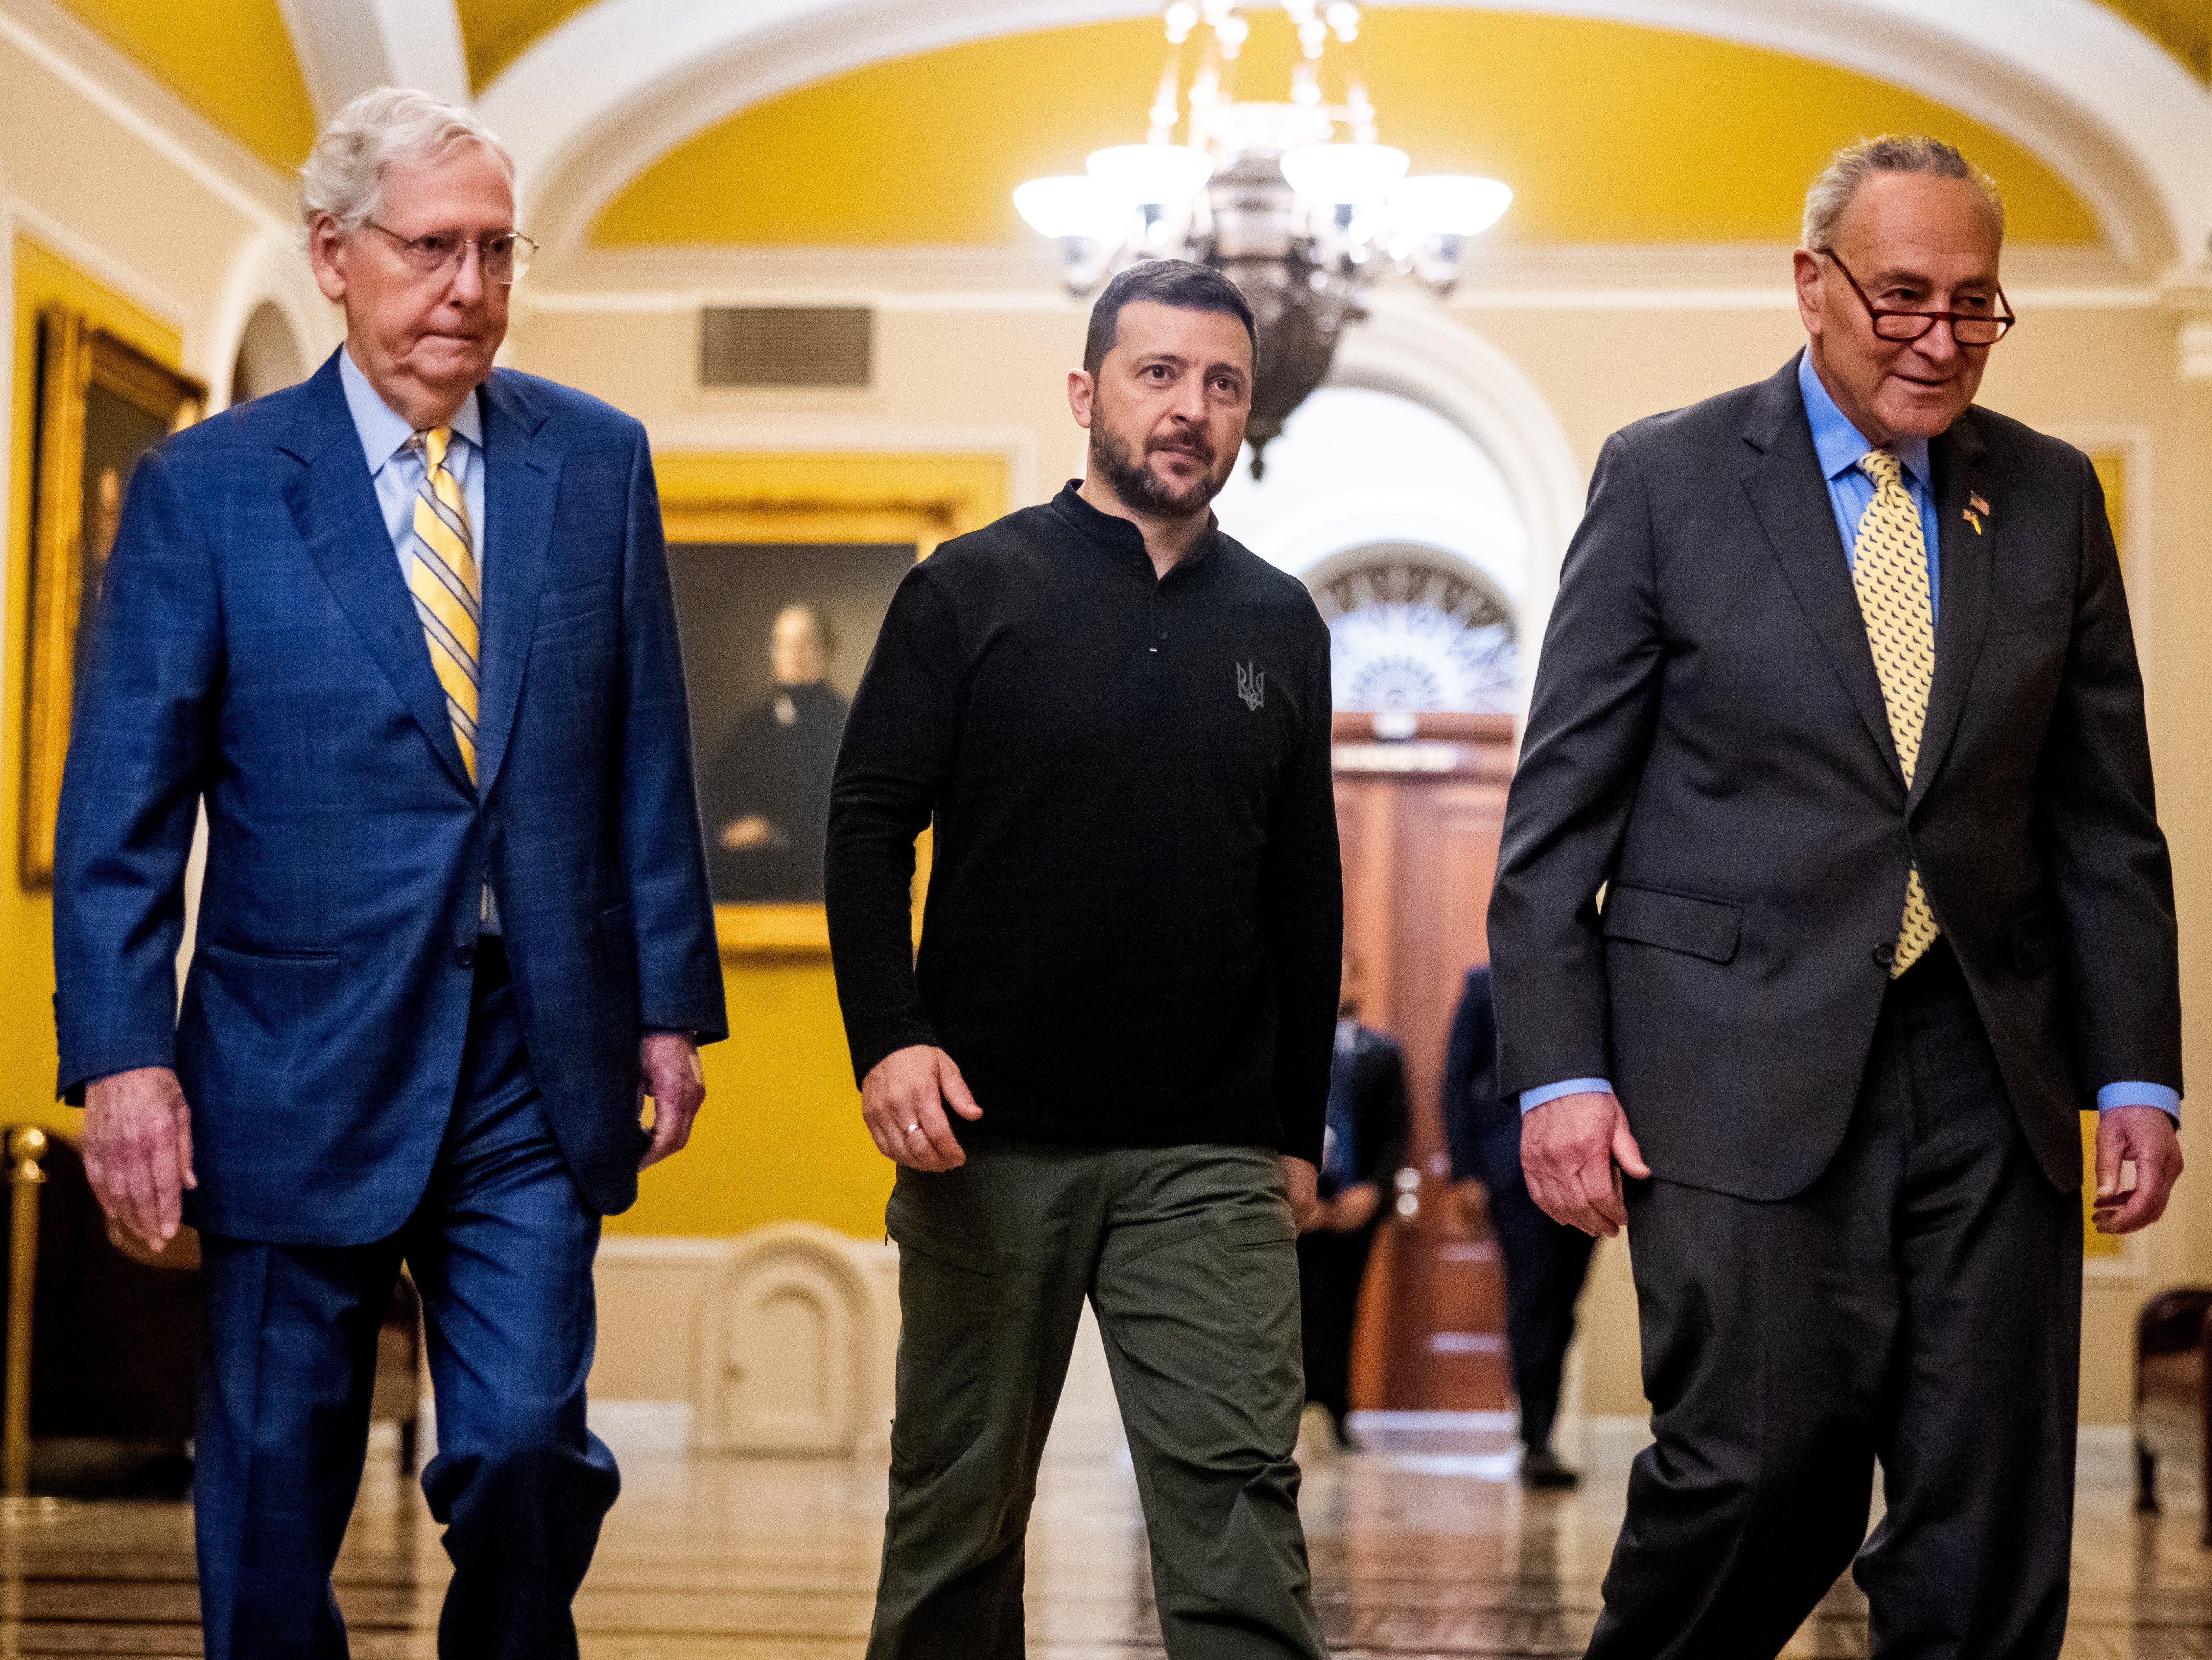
(768,793)
(1362,1142)
(1545,1261)
(406,631)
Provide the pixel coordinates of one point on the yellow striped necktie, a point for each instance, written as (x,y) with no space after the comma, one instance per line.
(448,594)
(1889,568)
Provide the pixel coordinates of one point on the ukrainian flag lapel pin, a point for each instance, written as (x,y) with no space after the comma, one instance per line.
(1977,510)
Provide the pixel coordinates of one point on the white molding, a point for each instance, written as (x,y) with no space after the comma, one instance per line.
(347,46)
(666,1250)
(599,99)
(146,109)
(270,269)
(423,45)
(1655,276)
(2194,343)
(30,220)
(1410,348)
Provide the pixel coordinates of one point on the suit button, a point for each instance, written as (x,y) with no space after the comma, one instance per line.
(465,957)
(1885,954)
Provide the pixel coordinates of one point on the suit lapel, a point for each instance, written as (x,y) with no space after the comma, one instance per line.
(1790,499)
(333,503)
(1968,559)
(522,481)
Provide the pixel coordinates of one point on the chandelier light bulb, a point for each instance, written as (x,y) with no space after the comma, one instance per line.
(1448,205)
(1070,205)
(1150,175)
(1362,175)
(1344,18)
(1181,18)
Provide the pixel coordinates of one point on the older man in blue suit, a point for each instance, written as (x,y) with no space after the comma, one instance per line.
(406,630)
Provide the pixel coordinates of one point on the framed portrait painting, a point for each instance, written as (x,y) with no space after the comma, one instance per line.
(783,567)
(102,404)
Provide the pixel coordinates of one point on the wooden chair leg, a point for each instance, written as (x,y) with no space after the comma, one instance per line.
(2145,1481)
(407,1447)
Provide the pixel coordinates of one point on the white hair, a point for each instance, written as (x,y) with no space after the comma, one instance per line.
(384,128)
(1839,181)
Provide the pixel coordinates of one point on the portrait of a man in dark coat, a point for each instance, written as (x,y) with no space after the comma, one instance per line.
(767,791)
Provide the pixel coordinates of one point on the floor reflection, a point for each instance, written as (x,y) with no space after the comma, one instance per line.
(1421,1545)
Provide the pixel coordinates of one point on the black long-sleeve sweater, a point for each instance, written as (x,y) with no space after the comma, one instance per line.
(1135,907)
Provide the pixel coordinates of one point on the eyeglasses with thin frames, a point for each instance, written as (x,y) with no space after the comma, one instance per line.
(505,255)
(1967,328)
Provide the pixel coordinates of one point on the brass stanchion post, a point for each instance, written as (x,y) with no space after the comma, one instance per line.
(26,1147)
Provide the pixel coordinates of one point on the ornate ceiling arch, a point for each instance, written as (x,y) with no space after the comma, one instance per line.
(594,101)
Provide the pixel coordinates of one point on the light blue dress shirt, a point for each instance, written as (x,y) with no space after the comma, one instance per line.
(397,472)
(1850,492)
(1840,444)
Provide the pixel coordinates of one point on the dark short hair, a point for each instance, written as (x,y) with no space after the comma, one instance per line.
(1180,282)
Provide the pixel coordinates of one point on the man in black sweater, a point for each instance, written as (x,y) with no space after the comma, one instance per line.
(1105,1075)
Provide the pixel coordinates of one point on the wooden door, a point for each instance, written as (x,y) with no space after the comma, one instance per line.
(1419,817)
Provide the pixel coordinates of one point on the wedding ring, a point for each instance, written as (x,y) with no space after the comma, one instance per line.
(911,1128)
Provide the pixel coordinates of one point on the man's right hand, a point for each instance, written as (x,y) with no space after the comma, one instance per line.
(1569,1146)
(902,1100)
(138,1151)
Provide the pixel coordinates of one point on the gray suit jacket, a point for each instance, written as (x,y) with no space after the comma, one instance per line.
(1708,742)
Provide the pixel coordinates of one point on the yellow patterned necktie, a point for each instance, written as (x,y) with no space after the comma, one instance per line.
(448,594)
(1889,568)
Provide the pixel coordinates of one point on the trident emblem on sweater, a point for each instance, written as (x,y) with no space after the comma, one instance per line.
(1252,684)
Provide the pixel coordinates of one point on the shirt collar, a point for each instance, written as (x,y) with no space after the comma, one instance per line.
(1838,443)
(1119,535)
(384,431)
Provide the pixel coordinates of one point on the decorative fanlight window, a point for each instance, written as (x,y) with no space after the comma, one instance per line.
(1411,629)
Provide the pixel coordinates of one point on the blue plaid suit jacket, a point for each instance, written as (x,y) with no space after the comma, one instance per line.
(256,647)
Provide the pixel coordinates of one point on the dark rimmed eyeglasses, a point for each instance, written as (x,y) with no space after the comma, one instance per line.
(504,254)
(1967,328)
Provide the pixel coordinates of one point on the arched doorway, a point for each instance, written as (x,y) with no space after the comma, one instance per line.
(269,355)
(1412,540)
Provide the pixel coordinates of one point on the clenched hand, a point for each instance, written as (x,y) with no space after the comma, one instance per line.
(668,1070)
(2143,1137)
(1569,1148)
(902,1101)
(138,1151)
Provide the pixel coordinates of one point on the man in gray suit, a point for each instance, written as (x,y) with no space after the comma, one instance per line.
(1838,706)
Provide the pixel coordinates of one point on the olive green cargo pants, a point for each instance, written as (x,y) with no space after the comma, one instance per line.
(1188,1256)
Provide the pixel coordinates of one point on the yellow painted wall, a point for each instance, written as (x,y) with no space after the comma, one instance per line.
(27,964)
(1607,132)
(2183,27)
(497,32)
(232,58)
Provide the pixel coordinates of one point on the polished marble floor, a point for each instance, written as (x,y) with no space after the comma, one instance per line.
(1420,1548)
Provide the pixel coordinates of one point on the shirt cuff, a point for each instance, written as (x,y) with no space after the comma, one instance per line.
(2168,1101)
(1532,1099)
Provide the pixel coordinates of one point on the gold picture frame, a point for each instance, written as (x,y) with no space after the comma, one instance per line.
(829,498)
(102,403)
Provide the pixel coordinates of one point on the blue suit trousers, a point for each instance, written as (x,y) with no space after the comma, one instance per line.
(500,1248)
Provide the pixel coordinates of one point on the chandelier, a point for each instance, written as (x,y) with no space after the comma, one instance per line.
(1295,202)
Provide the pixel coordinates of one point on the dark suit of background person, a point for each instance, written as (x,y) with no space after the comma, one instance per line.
(373,1075)
(1545,1261)
(1861,1237)
(1363,1145)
